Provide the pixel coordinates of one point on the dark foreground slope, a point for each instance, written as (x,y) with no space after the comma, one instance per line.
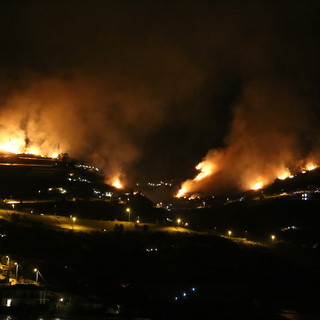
(194,276)
(64,186)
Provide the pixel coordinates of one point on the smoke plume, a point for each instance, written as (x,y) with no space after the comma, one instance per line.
(271,136)
(144,89)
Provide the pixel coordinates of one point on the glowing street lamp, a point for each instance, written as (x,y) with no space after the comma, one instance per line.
(37,273)
(8,260)
(129,211)
(273,237)
(73,221)
(178,220)
(17,267)
(229,233)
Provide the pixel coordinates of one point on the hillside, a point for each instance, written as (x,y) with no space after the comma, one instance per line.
(64,186)
(94,250)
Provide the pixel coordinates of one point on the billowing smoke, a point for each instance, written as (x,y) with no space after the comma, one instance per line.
(98,123)
(272,135)
(87,79)
(144,88)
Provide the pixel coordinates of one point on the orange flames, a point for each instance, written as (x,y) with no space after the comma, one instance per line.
(284,174)
(311,166)
(181,192)
(116,182)
(257,186)
(206,169)
(18,145)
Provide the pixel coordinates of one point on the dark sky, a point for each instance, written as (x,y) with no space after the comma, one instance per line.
(147,88)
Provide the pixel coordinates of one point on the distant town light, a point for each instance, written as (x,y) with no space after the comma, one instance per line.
(129,211)
(8,302)
(73,221)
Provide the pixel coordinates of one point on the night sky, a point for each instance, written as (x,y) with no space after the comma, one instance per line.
(147,88)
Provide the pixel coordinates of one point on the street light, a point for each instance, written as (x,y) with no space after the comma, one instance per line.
(229,233)
(37,273)
(129,211)
(73,221)
(8,260)
(178,220)
(273,237)
(17,266)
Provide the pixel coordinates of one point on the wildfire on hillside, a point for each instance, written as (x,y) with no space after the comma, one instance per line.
(19,144)
(115,182)
(257,186)
(189,186)
(270,137)
(22,145)
(206,169)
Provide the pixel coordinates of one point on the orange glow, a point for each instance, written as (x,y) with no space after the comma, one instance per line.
(181,193)
(257,186)
(284,174)
(194,196)
(311,166)
(205,169)
(13,146)
(115,182)
(11,201)
(18,145)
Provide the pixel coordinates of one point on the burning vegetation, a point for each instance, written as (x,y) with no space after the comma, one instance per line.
(189,187)
(270,138)
(20,145)
(115,182)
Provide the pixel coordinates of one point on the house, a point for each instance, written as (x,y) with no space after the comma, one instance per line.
(25,296)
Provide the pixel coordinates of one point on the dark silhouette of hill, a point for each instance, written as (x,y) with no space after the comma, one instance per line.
(67,187)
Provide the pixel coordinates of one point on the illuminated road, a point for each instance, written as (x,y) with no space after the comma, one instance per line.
(85,225)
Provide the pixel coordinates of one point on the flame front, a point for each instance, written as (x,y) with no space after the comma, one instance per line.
(116,182)
(11,146)
(181,192)
(20,145)
(206,169)
(257,186)
(284,174)
(311,166)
